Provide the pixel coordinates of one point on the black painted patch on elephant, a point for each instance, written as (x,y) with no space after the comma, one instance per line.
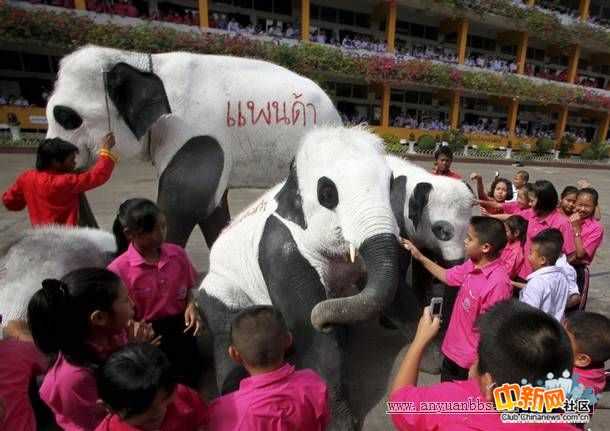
(289,202)
(418,201)
(139,97)
(188,185)
(398,196)
(67,117)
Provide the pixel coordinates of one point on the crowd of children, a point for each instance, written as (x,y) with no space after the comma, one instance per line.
(115,348)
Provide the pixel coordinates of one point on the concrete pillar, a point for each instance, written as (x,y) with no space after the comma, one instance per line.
(602,130)
(573,64)
(80,5)
(385,105)
(511,118)
(203,13)
(454,110)
(305,20)
(390,26)
(462,39)
(521,53)
(561,125)
(583,10)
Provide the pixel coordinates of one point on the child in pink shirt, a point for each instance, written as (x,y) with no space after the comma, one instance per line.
(78,321)
(501,191)
(20,363)
(567,202)
(588,232)
(503,210)
(512,254)
(160,279)
(517,342)
(139,388)
(482,281)
(543,215)
(275,396)
(590,337)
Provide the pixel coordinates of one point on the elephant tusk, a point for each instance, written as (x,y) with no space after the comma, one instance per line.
(352,253)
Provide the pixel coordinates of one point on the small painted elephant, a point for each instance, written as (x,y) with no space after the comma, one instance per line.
(47,252)
(206,122)
(282,250)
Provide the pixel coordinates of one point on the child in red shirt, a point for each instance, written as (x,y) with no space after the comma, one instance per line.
(51,192)
(139,388)
(590,337)
(161,280)
(512,254)
(517,342)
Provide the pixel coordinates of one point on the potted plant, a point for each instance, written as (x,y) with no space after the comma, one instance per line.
(14,125)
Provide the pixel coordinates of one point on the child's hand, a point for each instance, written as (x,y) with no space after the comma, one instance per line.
(408,245)
(192,319)
(108,141)
(576,222)
(427,328)
(142,332)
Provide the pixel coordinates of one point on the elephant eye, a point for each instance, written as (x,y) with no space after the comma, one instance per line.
(327,193)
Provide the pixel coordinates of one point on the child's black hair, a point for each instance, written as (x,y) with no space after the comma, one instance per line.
(53,150)
(137,215)
(591,333)
(524,174)
(490,230)
(130,379)
(550,243)
(59,313)
(546,197)
(568,190)
(507,183)
(443,150)
(256,333)
(518,341)
(591,192)
(516,223)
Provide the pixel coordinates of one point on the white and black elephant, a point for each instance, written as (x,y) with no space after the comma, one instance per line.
(282,250)
(206,122)
(47,252)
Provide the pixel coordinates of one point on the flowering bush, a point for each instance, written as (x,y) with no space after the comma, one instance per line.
(67,31)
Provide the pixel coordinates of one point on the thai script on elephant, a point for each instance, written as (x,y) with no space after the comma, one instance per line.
(294,112)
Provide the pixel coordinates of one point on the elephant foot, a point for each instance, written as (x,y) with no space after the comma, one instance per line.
(433,359)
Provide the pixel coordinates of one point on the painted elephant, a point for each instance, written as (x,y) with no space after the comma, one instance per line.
(47,252)
(282,249)
(206,122)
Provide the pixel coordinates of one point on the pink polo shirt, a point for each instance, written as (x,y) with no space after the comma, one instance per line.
(592,235)
(186,412)
(512,257)
(511,207)
(479,414)
(480,288)
(159,289)
(536,224)
(70,392)
(280,400)
(594,378)
(20,362)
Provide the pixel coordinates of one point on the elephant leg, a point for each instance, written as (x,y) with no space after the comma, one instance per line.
(218,317)
(188,186)
(216,222)
(295,288)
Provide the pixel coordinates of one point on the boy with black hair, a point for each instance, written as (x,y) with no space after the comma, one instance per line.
(139,388)
(275,396)
(547,287)
(520,179)
(516,342)
(483,281)
(443,157)
(590,337)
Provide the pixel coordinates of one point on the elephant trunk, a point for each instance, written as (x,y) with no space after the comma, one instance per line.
(380,255)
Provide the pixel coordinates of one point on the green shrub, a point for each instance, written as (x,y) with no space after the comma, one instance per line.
(486,148)
(597,151)
(426,143)
(392,143)
(456,139)
(566,145)
(24,142)
(543,145)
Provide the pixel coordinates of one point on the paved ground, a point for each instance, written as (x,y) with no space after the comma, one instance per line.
(372,349)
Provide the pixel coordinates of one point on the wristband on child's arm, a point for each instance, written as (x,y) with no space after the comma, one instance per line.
(107,153)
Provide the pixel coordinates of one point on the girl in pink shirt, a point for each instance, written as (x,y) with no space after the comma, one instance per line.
(512,254)
(501,190)
(517,342)
(567,203)
(502,211)
(160,279)
(78,322)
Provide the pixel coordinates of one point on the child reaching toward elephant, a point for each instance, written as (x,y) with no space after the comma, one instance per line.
(274,396)
(160,279)
(52,191)
(482,281)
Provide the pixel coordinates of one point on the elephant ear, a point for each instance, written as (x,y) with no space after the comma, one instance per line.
(289,202)
(418,201)
(139,97)
(398,196)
